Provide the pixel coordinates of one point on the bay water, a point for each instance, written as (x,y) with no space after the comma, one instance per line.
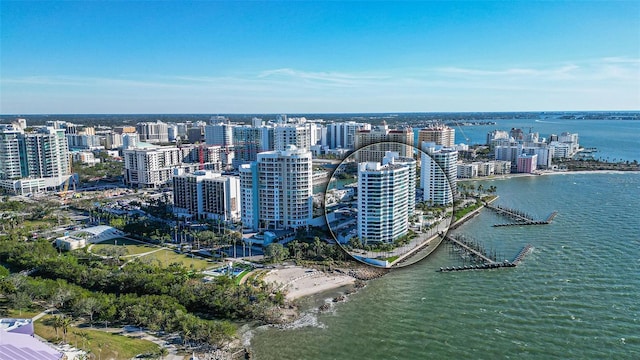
(575,296)
(616,140)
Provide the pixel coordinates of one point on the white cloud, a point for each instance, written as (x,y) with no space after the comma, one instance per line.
(607,83)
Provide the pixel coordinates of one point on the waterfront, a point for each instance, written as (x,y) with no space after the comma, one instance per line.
(614,139)
(575,296)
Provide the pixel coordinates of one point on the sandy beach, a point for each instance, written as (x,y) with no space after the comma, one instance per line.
(298,282)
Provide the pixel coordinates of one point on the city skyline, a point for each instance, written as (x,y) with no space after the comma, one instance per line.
(283,57)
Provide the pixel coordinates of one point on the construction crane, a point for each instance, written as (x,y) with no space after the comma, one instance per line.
(65,191)
(201,156)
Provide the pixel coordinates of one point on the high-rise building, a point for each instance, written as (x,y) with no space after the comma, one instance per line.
(298,135)
(130,141)
(220,134)
(12,156)
(386,198)
(438,174)
(527,163)
(124,129)
(206,194)
(343,135)
(153,167)
(153,132)
(83,142)
(33,162)
(440,135)
(276,190)
(382,140)
(248,141)
(195,135)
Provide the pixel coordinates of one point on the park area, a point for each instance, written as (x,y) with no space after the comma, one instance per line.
(105,345)
(129,249)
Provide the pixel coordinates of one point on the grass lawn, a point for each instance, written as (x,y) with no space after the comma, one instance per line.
(121,241)
(133,247)
(167,257)
(26,313)
(459,214)
(104,344)
(32,225)
(241,275)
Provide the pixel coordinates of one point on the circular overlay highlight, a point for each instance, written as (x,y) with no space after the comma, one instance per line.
(390,204)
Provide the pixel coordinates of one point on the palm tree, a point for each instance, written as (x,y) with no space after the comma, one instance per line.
(163,352)
(317,245)
(57,323)
(295,246)
(84,336)
(66,322)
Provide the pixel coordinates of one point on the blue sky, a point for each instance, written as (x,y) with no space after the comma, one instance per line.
(306,57)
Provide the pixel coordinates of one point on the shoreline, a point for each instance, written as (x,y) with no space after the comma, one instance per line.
(545,173)
(299,282)
(302,282)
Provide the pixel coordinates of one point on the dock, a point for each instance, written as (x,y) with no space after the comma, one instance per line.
(519,217)
(514,214)
(467,247)
(525,250)
(489,263)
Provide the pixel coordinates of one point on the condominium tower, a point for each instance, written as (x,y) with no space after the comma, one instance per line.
(386,198)
(206,194)
(440,135)
(438,172)
(382,139)
(35,161)
(276,190)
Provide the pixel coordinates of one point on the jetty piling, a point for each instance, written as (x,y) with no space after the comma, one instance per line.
(520,217)
(477,251)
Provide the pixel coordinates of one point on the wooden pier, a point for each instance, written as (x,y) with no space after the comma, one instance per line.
(525,250)
(519,217)
(470,249)
(489,263)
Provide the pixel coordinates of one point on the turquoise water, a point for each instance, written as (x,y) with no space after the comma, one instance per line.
(576,296)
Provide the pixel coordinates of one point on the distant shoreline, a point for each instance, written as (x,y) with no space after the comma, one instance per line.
(547,172)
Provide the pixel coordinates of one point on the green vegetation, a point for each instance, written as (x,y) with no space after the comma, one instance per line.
(275,252)
(131,247)
(167,258)
(459,214)
(18,219)
(106,169)
(97,291)
(305,249)
(100,343)
(403,240)
(241,276)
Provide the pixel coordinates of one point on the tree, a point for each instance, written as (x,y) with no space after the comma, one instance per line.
(117,223)
(66,322)
(61,296)
(163,352)
(20,300)
(294,247)
(84,336)
(276,252)
(89,306)
(57,324)
(317,245)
